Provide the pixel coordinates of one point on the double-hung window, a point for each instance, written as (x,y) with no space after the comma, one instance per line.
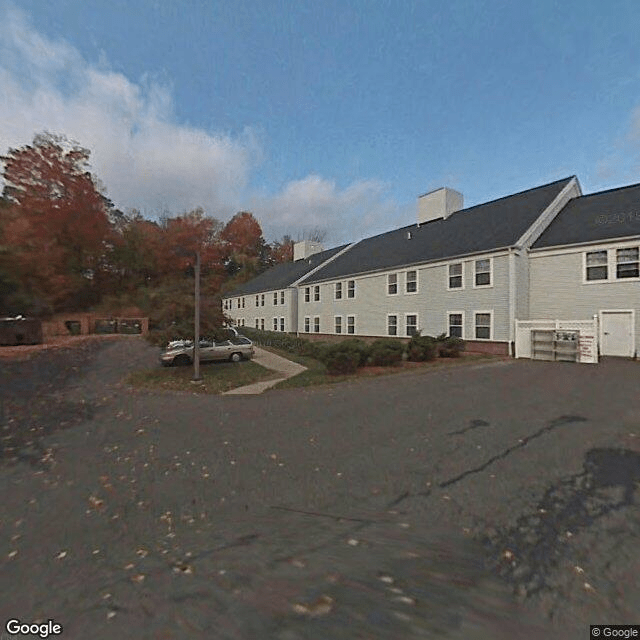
(316,293)
(275,297)
(392,325)
(257,301)
(243,303)
(281,324)
(455,276)
(483,273)
(627,263)
(411,324)
(262,300)
(338,290)
(392,284)
(275,324)
(307,294)
(338,326)
(351,289)
(483,326)
(316,324)
(257,323)
(262,324)
(597,265)
(307,324)
(282,297)
(455,325)
(411,284)
(351,324)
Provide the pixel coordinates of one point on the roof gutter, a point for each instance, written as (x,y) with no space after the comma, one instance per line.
(586,243)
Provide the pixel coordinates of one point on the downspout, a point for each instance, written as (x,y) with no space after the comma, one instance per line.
(512,301)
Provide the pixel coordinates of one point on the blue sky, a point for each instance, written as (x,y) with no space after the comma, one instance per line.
(332,115)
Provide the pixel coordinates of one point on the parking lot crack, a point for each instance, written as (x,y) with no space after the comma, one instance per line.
(523,442)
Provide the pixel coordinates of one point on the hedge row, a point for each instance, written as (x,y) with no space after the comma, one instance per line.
(346,356)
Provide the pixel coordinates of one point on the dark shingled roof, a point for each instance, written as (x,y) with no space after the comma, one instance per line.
(282,275)
(614,213)
(485,227)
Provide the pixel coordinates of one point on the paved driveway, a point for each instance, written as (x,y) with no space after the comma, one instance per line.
(485,501)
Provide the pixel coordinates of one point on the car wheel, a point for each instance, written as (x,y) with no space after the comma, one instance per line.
(181,360)
(235,357)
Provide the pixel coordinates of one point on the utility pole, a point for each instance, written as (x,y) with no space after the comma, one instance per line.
(196,347)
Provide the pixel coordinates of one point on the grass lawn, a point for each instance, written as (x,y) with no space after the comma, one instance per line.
(217,377)
(316,372)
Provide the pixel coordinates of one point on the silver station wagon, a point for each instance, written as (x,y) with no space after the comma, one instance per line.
(180,352)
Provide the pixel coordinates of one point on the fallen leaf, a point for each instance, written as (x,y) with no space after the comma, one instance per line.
(319,607)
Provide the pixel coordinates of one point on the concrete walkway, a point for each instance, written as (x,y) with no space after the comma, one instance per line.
(268,360)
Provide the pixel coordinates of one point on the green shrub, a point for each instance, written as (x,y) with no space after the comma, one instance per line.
(451,347)
(386,352)
(422,348)
(357,347)
(341,362)
(313,349)
(277,339)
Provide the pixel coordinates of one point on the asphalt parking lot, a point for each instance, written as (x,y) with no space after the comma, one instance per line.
(490,500)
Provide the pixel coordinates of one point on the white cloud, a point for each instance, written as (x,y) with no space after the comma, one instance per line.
(145,158)
(140,153)
(314,202)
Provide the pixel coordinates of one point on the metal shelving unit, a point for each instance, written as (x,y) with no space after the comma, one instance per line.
(561,346)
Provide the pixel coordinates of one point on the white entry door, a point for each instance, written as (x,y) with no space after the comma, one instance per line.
(617,333)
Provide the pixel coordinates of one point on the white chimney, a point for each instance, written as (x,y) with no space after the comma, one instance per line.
(306,248)
(440,203)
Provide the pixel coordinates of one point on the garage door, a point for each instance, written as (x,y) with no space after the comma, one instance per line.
(617,333)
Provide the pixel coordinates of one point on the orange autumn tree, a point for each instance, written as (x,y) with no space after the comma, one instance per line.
(57,225)
(246,253)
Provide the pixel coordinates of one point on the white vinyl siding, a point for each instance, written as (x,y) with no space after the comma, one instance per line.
(559,288)
(434,300)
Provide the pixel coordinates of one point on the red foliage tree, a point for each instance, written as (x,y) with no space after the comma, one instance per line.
(57,226)
(243,234)
(282,250)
